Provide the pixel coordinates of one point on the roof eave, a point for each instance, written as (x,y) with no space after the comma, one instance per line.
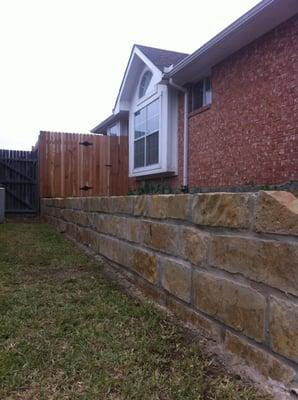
(111,120)
(264,17)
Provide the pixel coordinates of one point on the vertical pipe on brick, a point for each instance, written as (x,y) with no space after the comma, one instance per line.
(185,132)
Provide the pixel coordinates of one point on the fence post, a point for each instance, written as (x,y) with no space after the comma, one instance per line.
(2,204)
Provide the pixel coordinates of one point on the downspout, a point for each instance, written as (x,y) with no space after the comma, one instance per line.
(185,133)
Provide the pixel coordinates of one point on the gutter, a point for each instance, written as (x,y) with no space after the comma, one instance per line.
(235,26)
(185,132)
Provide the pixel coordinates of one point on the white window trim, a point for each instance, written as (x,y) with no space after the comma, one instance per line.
(144,104)
(143,101)
(153,168)
(149,65)
(204,94)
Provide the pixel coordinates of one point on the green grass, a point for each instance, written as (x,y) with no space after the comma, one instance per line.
(67,333)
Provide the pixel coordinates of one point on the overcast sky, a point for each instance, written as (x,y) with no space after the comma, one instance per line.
(62,61)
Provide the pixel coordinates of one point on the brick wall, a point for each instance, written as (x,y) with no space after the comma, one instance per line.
(227,263)
(249,134)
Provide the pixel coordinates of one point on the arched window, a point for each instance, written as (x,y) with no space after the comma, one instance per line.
(145,81)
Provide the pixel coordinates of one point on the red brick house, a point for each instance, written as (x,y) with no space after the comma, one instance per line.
(223,116)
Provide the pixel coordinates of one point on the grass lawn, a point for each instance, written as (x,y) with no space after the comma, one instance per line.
(67,333)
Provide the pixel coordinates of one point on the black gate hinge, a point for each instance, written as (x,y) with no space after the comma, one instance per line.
(86,187)
(85,143)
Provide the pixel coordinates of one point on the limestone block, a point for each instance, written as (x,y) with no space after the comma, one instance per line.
(140,203)
(47,202)
(61,203)
(160,236)
(272,262)
(231,210)
(238,306)
(144,263)
(283,327)
(97,204)
(156,206)
(97,221)
(68,215)
(175,278)
(94,241)
(193,245)
(73,202)
(83,235)
(81,218)
(133,230)
(60,225)
(277,212)
(72,230)
(206,326)
(179,206)
(56,202)
(109,248)
(263,362)
(122,204)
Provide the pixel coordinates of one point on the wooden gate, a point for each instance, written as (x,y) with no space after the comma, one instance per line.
(74,165)
(19,176)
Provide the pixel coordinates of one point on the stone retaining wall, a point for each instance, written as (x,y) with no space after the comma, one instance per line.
(225,262)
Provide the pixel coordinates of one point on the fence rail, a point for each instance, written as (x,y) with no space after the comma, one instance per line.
(82,165)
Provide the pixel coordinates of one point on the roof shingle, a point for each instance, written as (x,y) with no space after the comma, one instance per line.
(162,58)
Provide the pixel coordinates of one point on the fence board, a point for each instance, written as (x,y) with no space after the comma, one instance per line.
(19,176)
(67,167)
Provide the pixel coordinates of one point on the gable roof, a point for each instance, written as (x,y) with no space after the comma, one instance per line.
(161,58)
(262,18)
(155,58)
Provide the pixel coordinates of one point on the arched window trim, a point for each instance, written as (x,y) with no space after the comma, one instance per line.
(142,88)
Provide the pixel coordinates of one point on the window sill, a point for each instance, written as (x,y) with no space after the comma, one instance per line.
(155,175)
(199,110)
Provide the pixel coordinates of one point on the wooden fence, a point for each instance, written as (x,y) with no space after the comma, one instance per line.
(19,177)
(82,165)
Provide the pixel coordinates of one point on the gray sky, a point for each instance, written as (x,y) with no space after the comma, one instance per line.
(62,61)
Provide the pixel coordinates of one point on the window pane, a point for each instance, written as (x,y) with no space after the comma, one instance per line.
(152,124)
(153,117)
(113,130)
(208,91)
(145,83)
(152,149)
(152,109)
(146,150)
(198,95)
(139,153)
(140,123)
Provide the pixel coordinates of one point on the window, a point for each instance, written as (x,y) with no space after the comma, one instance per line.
(145,81)
(112,130)
(146,135)
(201,93)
